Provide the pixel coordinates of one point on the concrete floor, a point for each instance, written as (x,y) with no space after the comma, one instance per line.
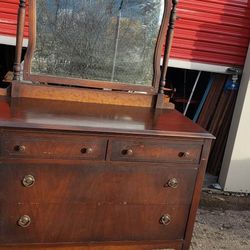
(221,230)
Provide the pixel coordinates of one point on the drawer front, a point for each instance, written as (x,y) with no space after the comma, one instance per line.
(50,146)
(78,222)
(97,183)
(156,151)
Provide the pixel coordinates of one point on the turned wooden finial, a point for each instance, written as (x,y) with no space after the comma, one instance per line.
(169,38)
(19,39)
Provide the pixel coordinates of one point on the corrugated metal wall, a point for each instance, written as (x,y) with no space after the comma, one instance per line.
(212,31)
(8,18)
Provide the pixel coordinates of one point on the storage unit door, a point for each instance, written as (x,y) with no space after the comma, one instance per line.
(8,21)
(212,32)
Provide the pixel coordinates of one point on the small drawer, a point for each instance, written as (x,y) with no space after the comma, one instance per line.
(53,146)
(79,222)
(177,151)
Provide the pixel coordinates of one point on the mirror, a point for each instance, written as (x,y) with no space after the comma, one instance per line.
(102,40)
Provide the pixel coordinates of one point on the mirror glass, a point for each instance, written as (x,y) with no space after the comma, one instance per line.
(104,40)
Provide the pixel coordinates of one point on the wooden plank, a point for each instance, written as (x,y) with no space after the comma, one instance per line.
(212,100)
(221,128)
(5,91)
(89,117)
(166,245)
(197,193)
(81,95)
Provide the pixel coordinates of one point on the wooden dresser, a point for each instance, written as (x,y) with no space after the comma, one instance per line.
(101,163)
(90,176)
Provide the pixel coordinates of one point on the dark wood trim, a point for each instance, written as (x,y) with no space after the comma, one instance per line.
(197,193)
(19,39)
(92,83)
(144,245)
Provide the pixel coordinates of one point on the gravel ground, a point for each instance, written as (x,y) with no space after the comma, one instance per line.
(221,230)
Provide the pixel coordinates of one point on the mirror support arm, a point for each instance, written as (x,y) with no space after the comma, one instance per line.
(168,44)
(19,39)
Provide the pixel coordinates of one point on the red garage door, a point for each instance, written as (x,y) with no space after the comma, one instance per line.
(212,31)
(8,21)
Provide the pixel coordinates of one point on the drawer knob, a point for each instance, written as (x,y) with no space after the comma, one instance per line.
(127,152)
(24,221)
(173,183)
(165,219)
(183,154)
(86,150)
(19,148)
(28,180)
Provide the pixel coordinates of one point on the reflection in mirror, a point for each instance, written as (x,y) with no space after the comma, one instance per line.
(106,40)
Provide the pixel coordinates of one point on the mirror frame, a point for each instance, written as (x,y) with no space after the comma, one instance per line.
(153,89)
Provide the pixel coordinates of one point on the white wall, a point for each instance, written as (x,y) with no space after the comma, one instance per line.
(235,173)
(11,40)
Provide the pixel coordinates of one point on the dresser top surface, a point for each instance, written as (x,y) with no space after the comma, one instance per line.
(86,117)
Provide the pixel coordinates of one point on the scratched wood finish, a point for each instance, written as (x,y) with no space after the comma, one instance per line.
(92,183)
(160,245)
(53,146)
(42,91)
(79,222)
(46,145)
(73,116)
(105,201)
(156,150)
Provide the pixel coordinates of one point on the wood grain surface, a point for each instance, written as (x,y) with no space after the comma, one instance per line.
(74,116)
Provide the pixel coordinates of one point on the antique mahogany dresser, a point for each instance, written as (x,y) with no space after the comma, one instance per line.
(92,154)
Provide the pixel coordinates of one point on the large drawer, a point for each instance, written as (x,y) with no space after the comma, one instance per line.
(50,146)
(118,183)
(77,222)
(177,151)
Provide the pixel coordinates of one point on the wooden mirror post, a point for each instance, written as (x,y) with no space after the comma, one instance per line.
(162,102)
(19,39)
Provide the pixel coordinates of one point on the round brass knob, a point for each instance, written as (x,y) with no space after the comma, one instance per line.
(28,180)
(24,221)
(173,183)
(19,148)
(127,152)
(86,150)
(183,154)
(165,219)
